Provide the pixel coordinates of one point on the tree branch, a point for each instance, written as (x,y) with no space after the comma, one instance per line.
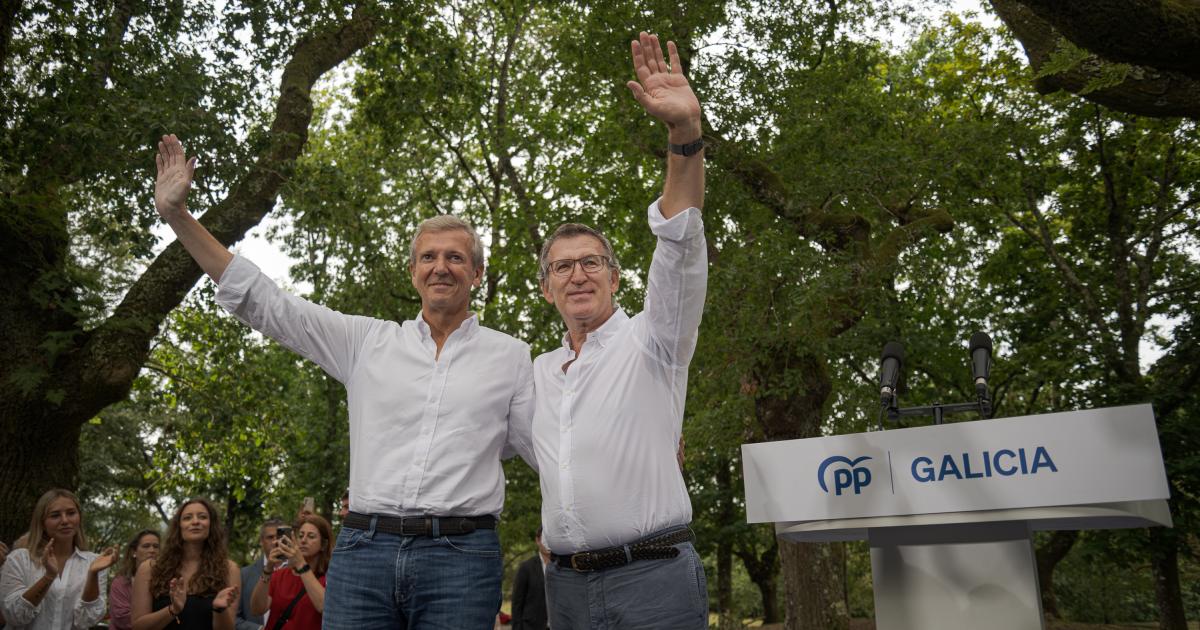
(114,352)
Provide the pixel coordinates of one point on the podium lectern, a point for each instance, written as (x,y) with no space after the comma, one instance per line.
(949,510)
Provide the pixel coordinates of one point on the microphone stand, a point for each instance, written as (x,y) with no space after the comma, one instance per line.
(938,410)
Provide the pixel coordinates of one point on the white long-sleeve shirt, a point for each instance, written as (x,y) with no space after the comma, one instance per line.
(426,432)
(606,431)
(62,607)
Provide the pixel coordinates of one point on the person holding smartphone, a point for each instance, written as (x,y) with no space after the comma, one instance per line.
(292,585)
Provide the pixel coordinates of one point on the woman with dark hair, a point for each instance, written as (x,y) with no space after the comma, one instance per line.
(143,547)
(192,584)
(296,597)
(54,582)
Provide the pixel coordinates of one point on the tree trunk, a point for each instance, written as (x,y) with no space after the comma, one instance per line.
(725,586)
(1049,555)
(763,570)
(57,374)
(1164,553)
(813,582)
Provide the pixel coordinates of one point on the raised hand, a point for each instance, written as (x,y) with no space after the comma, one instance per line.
(174,177)
(225,597)
(292,553)
(178,590)
(663,90)
(50,561)
(104,560)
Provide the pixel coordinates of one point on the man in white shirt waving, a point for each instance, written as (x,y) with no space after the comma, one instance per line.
(609,407)
(433,402)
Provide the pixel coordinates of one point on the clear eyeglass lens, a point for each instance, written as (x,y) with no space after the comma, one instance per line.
(589,264)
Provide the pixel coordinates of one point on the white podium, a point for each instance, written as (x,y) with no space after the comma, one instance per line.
(949,510)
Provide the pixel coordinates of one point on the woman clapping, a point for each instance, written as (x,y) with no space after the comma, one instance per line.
(296,597)
(55,582)
(192,584)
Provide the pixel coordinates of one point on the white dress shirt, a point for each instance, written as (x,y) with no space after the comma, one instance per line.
(606,431)
(426,432)
(61,608)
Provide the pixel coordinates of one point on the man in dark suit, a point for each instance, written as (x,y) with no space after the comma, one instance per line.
(529,590)
(250,575)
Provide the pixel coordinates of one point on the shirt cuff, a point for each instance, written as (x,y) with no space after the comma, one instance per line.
(235,282)
(678,227)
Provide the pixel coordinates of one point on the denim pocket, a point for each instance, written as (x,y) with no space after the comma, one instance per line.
(348,539)
(477,545)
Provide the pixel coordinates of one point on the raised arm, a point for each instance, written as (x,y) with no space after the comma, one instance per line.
(171,187)
(666,95)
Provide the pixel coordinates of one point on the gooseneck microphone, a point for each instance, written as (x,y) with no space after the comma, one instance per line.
(889,372)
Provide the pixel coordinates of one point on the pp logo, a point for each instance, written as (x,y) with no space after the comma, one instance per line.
(852,476)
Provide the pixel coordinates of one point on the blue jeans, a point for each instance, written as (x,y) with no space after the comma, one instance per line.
(669,594)
(379,581)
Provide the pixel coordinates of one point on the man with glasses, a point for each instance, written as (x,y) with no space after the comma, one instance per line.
(609,406)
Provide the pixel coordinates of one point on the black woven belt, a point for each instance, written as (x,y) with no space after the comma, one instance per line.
(658,547)
(421,525)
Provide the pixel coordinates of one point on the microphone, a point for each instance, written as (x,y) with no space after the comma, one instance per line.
(981,362)
(889,372)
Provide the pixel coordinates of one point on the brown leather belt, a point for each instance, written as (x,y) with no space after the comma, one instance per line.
(657,547)
(421,525)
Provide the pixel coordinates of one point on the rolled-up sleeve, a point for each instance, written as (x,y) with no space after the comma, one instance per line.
(676,285)
(330,339)
(16,577)
(88,614)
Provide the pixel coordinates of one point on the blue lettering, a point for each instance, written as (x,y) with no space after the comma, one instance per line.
(1009,471)
(1041,458)
(987,464)
(967,468)
(926,473)
(1024,464)
(841,480)
(948,468)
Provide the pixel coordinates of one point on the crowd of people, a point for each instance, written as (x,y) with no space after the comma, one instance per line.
(434,404)
(50,580)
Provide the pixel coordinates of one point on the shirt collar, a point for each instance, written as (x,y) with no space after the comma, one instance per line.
(605,332)
(468,326)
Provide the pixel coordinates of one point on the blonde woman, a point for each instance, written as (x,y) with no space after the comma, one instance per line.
(192,584)
(54,582)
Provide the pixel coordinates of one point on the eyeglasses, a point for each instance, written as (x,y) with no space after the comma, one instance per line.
(589,264)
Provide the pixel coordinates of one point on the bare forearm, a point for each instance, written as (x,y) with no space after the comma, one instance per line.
(260,600)
(684,186)
(226,620)
(34,594)
(91,588)
(316,590)
(209,253)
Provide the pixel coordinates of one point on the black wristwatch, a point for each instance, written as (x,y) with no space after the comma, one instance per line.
(303,569)
(689,149)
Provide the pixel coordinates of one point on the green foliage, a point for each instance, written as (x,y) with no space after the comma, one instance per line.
(514,115)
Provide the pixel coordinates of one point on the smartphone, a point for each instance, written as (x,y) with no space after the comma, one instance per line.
(309,505)
(280,532)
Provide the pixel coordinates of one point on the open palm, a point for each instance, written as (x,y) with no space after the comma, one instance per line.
(662,89)
(174,180)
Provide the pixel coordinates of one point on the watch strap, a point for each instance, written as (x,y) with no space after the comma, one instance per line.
(689,149)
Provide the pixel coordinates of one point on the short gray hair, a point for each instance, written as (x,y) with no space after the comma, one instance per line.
(445,223)
(568,230)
